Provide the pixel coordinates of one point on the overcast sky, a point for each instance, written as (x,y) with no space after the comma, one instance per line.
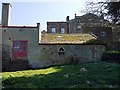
(30,12)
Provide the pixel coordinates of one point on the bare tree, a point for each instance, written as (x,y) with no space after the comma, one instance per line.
(106,9)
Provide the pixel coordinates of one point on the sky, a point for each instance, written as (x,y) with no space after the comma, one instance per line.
(31,12)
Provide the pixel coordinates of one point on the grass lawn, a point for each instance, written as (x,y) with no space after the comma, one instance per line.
(84,75)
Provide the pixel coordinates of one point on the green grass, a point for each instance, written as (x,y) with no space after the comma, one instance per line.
(97,75)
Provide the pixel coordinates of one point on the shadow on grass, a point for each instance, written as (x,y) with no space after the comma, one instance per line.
(97,75)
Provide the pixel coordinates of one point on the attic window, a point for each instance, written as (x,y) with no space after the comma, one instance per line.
(61,51)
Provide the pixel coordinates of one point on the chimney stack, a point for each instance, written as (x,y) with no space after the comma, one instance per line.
(67,18)
(75,15)
(39,31)
(6,9)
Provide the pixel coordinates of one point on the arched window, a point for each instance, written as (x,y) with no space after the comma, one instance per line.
(61,51)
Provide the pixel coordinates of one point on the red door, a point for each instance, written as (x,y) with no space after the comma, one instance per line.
(20,49)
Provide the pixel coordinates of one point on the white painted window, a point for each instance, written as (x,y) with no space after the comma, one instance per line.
(62,30)
(53,30)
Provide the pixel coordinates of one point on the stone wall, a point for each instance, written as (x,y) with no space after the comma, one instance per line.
(46,55)
(23,33)
(51,54)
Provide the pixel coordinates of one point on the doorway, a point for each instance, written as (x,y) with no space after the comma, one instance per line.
(19,49)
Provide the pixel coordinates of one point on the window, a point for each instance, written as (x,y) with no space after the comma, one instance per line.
(78,27)
(90,19)
(16,45)
(74,28)
(53,30)
(61,51)
(23,45)
(103,34)
(77,20)
(19,45)
(62,30)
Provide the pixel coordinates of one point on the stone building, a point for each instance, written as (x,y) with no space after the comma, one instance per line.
(57,27)
(88,23)
(103,33)
(75,25)
(89,20)
(64,49)
(53,49)
(26,46)
(18,43)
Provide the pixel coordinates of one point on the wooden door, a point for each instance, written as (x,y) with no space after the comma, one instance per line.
(20,49)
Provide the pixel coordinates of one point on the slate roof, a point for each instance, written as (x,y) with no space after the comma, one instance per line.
(66,38)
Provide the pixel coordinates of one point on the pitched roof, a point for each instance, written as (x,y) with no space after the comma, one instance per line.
(66,38)
(89,18)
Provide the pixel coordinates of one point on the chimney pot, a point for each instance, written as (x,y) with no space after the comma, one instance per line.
(67,18)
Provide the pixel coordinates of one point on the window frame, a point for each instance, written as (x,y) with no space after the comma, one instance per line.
(53,28)
(62,28)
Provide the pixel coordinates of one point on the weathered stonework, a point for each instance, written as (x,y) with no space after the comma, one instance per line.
(47,55)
